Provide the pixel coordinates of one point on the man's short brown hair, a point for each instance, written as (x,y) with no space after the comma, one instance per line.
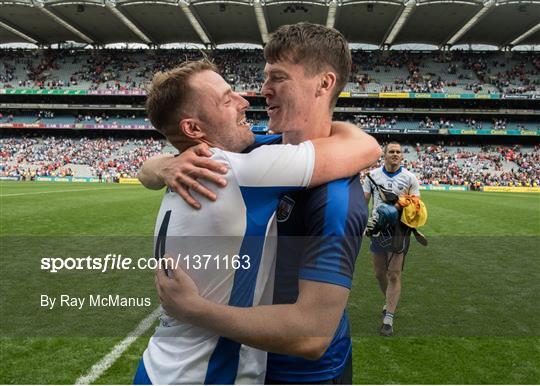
(315,46)
(169,97)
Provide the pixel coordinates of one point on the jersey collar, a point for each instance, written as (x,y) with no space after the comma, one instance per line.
(392,174)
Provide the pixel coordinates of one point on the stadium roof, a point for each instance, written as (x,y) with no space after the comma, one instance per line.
(503,23)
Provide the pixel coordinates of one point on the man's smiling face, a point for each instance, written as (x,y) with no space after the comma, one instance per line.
(290,95)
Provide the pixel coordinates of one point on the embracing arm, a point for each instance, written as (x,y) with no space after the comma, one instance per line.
(305,328)
(345,153)
(148,175)
(181,173)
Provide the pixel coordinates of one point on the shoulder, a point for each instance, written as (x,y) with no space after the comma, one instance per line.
(333,190)
(220,155)
(275,165)
(377,172)
(409,174)
(261,140)
(378,169)
(336,200)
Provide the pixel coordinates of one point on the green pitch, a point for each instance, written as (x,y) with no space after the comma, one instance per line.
(468,314)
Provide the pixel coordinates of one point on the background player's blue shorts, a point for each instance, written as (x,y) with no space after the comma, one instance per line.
(395,240)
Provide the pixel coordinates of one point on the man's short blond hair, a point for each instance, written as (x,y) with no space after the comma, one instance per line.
(170,96)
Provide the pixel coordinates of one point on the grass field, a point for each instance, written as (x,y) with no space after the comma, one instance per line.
(469,312)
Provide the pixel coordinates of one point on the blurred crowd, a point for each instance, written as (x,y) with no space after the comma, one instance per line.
(260,119)
(484,166)
(48,156)
(427,122)
(402,71)
(109,159)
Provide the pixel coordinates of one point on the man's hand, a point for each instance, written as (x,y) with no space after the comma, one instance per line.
(304,328)
(182,173)
(177,292)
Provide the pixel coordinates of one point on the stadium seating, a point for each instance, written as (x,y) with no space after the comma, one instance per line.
(373,71)
(46,155)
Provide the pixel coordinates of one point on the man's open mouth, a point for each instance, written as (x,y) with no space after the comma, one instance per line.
(243,121)
(271,109)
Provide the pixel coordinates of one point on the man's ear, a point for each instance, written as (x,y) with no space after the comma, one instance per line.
(190,128)
(327,83)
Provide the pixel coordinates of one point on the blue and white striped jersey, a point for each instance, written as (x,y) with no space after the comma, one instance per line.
(320,235)
(240,223)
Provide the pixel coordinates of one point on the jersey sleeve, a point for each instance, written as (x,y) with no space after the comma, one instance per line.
(336,216)
(415,186)
(274,166)
(368,186)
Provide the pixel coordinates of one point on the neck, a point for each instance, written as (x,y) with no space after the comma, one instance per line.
(391,169)
(182,144)
(317,127)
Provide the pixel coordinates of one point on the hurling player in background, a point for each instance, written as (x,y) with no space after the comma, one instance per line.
(319,230)
(192,104)
(390,244)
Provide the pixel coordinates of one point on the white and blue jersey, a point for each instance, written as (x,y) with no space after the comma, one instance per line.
(400,182)
(320,235)
(240,223)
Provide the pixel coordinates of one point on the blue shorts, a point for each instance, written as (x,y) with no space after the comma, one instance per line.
(141,376)
(396,240)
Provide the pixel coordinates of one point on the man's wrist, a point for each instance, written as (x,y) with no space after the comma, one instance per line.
(160,171)
(196,308)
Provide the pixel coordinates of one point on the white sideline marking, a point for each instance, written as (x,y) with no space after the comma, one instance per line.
(108,360)
(53,191)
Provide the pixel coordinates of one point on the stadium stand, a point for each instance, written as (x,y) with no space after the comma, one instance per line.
(46,155)
(403,123)
(110,158)
(373,71)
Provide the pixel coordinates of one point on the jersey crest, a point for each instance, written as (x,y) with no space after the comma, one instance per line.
(285,207)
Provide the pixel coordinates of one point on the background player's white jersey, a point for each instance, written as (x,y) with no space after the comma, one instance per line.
(235,224)
(400,182)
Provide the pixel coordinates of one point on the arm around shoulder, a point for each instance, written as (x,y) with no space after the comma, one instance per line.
(149,175)
(304,329)
(345,153)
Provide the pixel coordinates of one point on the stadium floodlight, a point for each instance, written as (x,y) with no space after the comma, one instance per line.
(184,5)
(405,12)
(261,20)
(111,6)
(487,7)
(18,33)
(331,18)
(63,23)
(524,35)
